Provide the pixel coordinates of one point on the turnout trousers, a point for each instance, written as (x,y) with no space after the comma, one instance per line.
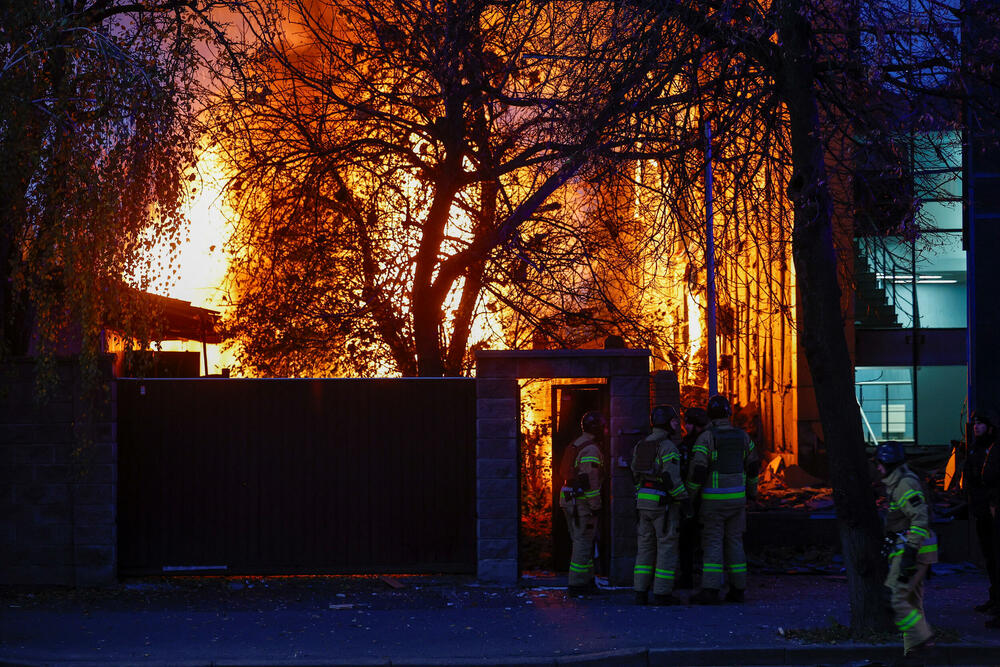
(986,532)
(723,525)
(582,529)
(656,551)
(907,600)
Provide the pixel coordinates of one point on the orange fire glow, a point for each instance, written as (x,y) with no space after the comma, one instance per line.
(198,270)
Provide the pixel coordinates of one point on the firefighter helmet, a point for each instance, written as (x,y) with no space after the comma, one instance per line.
(890,454)
(661,416)
(696,416)
(593,423)
(718,407)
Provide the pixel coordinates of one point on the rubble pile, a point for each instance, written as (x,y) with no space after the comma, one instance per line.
(784,487)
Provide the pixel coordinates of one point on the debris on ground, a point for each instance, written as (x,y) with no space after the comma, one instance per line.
(795,560)
(790,487)
(394,583)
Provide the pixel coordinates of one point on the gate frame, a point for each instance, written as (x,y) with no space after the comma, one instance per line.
(497,447)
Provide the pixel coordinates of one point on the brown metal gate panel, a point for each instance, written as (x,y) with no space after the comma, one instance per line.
(296,476)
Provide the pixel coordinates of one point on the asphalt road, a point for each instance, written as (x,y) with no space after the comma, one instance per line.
(787,619)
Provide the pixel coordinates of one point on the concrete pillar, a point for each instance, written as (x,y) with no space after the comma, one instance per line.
(666,389)
(629,418)
(497,511)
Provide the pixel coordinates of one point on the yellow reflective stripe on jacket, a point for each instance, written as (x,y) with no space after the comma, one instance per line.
(906,497)
(727,493)
(650,494)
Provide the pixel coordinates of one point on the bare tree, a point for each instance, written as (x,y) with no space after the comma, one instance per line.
(96,141)
(403,157)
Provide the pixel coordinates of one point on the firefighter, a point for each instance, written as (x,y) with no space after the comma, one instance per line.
(689,540)
(661,499)
(582,469)
(983,455)
(723,474)
(911,546)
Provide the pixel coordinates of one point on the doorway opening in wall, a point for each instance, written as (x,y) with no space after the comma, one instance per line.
(551,411)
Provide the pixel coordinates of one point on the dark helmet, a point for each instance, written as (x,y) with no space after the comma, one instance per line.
(718,407)
(890,454)
(696,416)
(593,423)
(661,416)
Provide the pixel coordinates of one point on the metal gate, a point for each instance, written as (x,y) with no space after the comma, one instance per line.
(296,476)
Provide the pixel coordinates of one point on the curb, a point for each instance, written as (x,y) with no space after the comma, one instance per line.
(943,654)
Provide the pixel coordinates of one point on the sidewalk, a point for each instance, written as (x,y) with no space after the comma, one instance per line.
(444,620)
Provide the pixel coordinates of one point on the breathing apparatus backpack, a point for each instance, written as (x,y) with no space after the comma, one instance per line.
(645,470)
(567,471)
(644,456)
(729,451)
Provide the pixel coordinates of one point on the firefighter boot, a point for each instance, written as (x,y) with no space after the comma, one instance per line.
(735,595)
(642,597)
(706,596)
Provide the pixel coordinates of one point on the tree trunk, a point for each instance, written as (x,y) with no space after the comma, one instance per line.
(428,293)
(822,330)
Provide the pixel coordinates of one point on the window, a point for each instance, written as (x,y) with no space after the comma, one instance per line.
(885,398)
(924,274)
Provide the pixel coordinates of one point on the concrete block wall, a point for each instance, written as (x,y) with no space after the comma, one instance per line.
(498,404)
(57,480)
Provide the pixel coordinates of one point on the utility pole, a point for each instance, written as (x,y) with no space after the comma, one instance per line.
(713,371)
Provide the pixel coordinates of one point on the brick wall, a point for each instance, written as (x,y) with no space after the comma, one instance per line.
(58,477)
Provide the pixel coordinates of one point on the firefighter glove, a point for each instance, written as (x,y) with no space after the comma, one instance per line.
(908,564)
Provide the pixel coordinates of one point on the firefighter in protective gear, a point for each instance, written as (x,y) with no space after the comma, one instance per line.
(695,421)
(582,469)
(660,497)
(911,545)
(723,473)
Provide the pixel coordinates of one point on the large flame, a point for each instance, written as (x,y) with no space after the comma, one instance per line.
(198,267)
(202,260)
